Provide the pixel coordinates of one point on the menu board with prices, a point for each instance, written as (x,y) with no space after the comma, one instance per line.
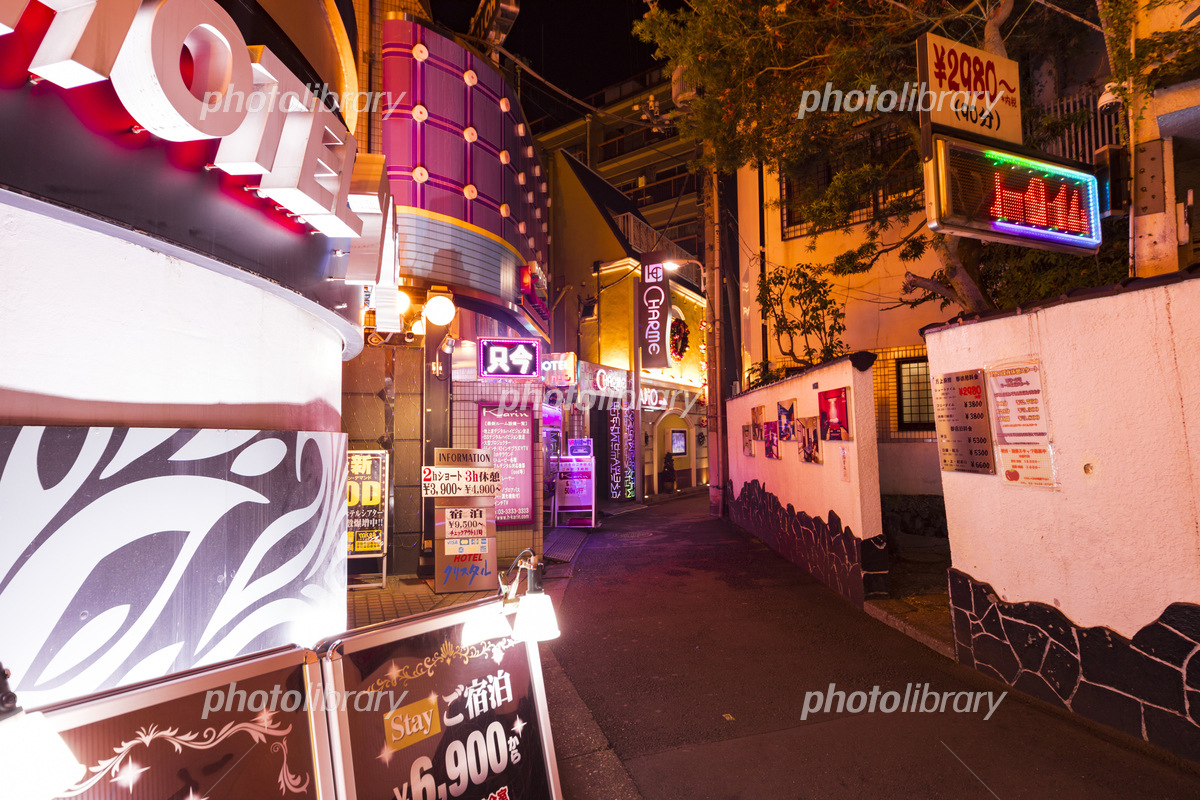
(460,482)
(508,434)
(458,721)
(960,414)
(184,735)
(468,522)
(1019,404)
(576,483)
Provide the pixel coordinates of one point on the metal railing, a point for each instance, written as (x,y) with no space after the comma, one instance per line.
(643,238)
(1081,140)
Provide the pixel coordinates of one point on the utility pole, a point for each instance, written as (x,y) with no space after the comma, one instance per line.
(718,452)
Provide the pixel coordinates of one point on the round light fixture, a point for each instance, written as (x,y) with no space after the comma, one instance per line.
(403,301)
(439,310)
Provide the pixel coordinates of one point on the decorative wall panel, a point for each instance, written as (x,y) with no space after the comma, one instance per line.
(130,553)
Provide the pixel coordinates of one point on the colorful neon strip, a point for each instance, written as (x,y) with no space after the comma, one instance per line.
(1087,184)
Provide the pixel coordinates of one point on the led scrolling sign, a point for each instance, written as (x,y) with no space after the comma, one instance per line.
(1000,196)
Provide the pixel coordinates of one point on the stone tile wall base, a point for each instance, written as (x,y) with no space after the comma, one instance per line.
(1147,686)
(829,552)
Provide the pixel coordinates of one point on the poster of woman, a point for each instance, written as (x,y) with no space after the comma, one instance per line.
(747,441)
(757,413)
(787,420)
(771,439)
(835,415)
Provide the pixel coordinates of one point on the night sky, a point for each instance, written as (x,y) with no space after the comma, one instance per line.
(580,45)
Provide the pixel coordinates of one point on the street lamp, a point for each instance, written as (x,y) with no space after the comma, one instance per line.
(535,620)
(35,763)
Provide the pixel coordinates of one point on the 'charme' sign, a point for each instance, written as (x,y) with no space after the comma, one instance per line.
(268,121)
(654,316)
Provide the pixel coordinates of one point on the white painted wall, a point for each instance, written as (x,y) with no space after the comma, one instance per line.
(815,489)
(95,330)
(1119,540)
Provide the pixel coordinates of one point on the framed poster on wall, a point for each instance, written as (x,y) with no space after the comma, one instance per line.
(834,409)
(367,499)
(787,419)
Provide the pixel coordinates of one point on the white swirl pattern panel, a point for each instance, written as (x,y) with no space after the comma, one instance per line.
(129,553)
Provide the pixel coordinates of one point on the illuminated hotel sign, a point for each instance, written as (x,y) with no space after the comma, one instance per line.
(999,196)
(269,123)
(654,316)
(509,358)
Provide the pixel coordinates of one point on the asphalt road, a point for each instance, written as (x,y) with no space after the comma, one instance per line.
(689,651)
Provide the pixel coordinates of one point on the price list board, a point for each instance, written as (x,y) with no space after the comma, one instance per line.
(464,484)
(451,721)
(460,482)
(508,435)
(961,416)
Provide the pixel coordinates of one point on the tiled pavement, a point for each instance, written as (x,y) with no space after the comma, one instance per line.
(402,597)
(405,597)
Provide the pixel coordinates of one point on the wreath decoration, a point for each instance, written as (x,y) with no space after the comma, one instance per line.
(679,339)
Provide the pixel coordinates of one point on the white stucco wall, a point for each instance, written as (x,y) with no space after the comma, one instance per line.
(814,489)
(1119,539)
(95,330)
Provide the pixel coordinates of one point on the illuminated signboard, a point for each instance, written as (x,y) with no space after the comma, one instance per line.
(509,358)
(654,316)
(271,125)
(968,89)
(999,196)
(616,485)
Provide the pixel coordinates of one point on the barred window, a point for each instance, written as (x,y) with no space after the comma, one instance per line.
(887,144)
(914,395)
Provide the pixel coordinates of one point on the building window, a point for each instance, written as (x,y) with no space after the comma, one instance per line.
(914,395)
(886,144)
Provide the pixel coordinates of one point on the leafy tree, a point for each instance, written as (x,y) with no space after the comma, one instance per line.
(752,62)
(805,318)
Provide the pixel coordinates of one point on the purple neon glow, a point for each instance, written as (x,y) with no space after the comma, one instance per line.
(489,366)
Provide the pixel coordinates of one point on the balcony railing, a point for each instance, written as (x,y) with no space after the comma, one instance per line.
(643,238)
(1078,141)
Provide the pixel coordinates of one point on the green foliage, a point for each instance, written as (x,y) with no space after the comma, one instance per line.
(762,373)
(752,62)
(806,319)
(668,470)
(1016,276)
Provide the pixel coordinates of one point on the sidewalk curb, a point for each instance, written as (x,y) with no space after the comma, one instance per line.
(910,631)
